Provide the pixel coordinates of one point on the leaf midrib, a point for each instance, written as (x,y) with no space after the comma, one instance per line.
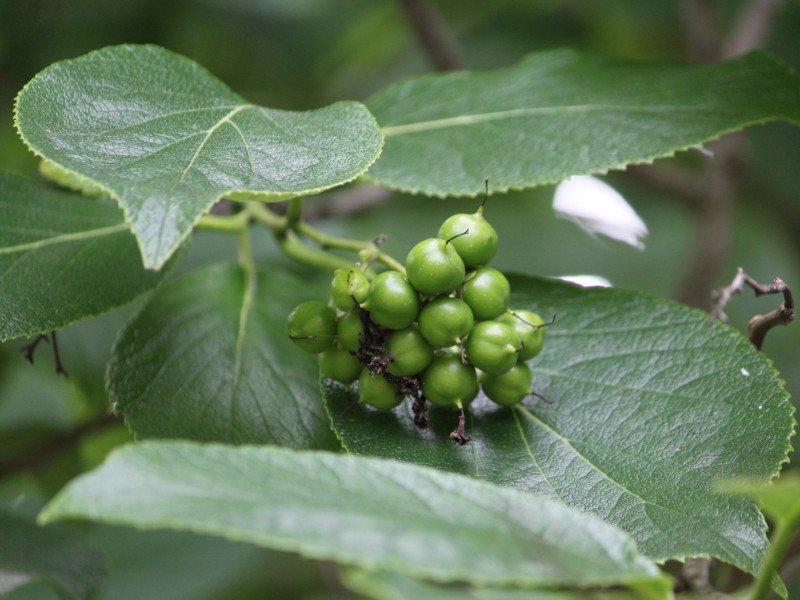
(473,119)
(65,238)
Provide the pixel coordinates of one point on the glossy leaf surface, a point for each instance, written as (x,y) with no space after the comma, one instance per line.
(167,139)
(355,510)
(560,113)
(649,406)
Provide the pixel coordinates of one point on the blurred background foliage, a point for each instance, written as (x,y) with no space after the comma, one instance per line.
(302,54)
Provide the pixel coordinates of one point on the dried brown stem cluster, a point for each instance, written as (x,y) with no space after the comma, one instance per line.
(759,324)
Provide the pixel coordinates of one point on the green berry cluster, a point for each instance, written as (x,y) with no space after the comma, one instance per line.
(429,333)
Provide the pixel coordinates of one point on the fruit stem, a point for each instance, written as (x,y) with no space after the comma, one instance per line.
(245,249)
(287,230)
(458,235)
(225,223)
(294,248)
(485,196)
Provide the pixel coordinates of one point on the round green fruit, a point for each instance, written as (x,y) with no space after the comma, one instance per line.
(340,365)
(376,391)
(477,247)
(444,321)
(349,288)
(492,347)
(410,352)
(487,292)
(524,323)
(449,382)
(350,330)
(312,326)
(392,302)
(434,267)
(509,388)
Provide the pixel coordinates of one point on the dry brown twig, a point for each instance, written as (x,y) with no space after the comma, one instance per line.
(760,324)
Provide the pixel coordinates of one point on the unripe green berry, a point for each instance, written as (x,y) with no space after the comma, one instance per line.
(350,330)
(509,388)
(449,382)
(392,301)
(532,337)
(312,326)
(376,391)
(350,287)
(434,267)
(478,246)
(410,351)
(487,292)
(492,347)
(444,321)
(340,365)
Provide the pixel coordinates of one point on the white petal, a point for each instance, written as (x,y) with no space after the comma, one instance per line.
(599,208)
(586,280)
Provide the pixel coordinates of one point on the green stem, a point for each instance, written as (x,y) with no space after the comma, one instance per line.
(283,226)
(225,223)
(295,212)
(293,247)
(781,540)
(245,250)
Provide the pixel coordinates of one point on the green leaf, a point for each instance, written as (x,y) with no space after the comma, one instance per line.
(167,139)
(354,510)
(62,258)
(648,407)
(780,499)
(208,359)
(386,585)
(560,113)
(28,553)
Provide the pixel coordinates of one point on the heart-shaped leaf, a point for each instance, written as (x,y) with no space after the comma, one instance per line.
(167,139)
(208,359)
(63,258)
(560,113)
(68,562)
(649,406)
(355,510)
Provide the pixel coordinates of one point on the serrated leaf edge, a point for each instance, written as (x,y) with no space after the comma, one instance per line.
(149,262)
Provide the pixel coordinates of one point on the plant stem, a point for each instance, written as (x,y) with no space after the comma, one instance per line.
(245,251)
(784,533)
(225,224)
(293,247)
(287,230)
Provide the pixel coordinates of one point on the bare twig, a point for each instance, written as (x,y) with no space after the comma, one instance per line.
(686,185)
(434,33)
(695,573)
(700,27)
(715,215)
(29,348)
(760,324)
(56,445)
(752,28)
(347,202)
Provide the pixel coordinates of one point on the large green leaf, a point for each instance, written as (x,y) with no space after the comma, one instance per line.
(68,562)
(355,510)
(208,359)
(167,139)
(561,113)
(648,407)
(63,258)
(386,585)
